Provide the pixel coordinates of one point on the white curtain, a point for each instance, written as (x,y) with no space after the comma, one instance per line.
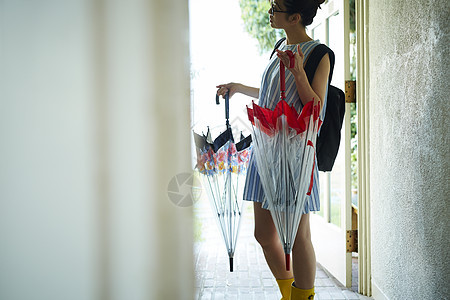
(94,124)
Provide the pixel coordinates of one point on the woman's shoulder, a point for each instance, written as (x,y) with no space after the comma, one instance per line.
(309,45)
(305,46)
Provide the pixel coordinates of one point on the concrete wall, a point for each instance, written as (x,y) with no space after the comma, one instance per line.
(409,146)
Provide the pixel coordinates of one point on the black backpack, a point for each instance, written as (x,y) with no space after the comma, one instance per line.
(330,133)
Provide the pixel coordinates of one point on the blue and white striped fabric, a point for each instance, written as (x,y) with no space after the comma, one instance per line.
(269,96)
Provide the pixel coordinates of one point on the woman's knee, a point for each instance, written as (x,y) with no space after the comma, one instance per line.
(265,232)
(265,237)
(302,241)
(303,234)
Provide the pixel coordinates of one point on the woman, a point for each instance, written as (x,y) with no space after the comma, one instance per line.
(292,16)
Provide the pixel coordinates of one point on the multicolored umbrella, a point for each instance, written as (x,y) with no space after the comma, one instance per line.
(284,142)
(221,163)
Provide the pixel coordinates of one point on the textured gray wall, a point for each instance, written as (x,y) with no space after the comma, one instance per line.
(409,144)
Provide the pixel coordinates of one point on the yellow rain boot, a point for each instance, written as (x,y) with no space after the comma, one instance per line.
(285,287)
(299,294)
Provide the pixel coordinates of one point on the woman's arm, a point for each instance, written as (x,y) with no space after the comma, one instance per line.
(307,92)
(234,88)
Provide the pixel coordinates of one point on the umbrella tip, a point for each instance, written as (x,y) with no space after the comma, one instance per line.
(288,262)
(231,264)
(242,136)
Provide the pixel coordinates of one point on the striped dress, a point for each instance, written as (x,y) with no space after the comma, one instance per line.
(269,96)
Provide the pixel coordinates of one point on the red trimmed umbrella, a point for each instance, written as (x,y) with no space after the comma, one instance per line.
(284,142)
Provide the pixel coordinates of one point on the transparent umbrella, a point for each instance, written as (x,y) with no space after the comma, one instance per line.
(284,142)
(221,163)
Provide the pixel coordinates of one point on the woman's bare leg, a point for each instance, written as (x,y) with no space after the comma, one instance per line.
(267,237)
(303,256)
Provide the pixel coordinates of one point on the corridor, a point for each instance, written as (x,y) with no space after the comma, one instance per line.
(251,278)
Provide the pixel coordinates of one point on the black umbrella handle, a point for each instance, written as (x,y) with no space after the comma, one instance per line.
(227,107)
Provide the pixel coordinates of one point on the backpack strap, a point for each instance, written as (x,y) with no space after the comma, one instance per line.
(276,46)
(314,59)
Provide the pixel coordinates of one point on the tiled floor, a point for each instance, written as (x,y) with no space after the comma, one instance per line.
(251,278)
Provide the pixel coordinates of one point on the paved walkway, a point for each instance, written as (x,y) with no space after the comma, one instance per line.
(251,278)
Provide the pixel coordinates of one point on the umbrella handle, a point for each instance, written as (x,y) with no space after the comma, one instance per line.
(282,73)
(227,107)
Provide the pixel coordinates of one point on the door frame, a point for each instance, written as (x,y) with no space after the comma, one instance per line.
(334,258)
(362,96)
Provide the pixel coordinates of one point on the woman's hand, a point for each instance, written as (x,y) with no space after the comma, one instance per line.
(231,88)
(317,89)
(297,70)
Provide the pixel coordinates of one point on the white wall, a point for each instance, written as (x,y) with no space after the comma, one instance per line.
(94,123)
(409,144)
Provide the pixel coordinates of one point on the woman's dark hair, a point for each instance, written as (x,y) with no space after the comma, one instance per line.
(306,8)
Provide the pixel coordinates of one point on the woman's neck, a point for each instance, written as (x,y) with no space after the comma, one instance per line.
(296,35)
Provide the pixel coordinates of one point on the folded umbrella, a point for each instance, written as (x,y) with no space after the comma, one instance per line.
(284,142)
(221,163)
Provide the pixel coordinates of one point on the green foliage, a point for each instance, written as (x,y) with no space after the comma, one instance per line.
(352,16)
(256,21)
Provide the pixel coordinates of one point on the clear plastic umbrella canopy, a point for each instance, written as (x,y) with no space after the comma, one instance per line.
(284,142)
(221,164)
